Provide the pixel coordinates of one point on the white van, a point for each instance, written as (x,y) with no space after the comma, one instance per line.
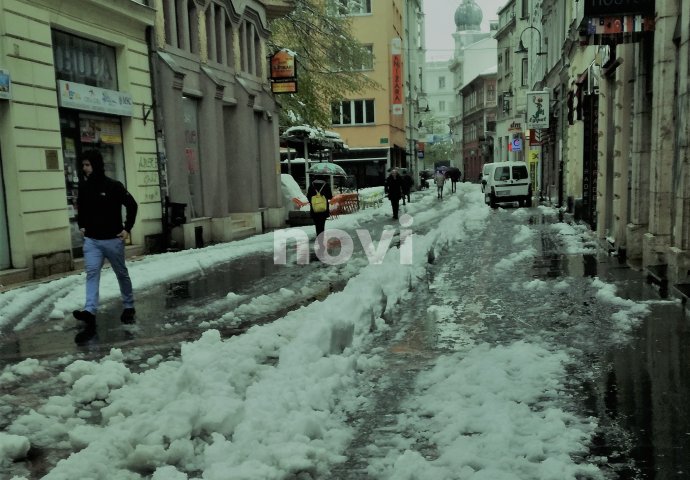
(507,182)
(485,174)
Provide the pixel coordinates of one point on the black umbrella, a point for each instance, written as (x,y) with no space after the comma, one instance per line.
(453,173)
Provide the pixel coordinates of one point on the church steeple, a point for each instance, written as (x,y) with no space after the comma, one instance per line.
(468,16)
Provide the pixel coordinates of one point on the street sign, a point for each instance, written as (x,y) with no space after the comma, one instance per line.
(515,145)
(538,109)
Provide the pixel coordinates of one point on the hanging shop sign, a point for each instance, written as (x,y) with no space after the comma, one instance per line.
(94,99)
(538,109)
(5,84)
(396,77)
(283,72)
(595,8)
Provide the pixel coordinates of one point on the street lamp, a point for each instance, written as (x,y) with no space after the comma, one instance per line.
(522,49)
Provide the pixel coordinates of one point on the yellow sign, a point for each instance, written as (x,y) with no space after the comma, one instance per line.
(284,87)
(534,156)
(283,65)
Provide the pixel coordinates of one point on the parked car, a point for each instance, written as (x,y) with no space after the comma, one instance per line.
(485,174)
(507,182)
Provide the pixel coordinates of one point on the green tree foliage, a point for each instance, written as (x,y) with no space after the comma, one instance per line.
(442,149)
(329,61)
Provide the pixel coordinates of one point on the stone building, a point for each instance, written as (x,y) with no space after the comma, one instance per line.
(620,126)
(70,81)
(174,94)
(379,125)
(219,137)
(479,123)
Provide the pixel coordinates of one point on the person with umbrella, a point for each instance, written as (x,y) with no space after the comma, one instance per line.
(454,174)
(318,195)
(394,191)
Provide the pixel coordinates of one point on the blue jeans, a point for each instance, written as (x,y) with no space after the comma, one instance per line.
(95,253)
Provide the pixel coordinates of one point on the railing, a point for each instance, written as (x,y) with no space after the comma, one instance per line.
(344,203)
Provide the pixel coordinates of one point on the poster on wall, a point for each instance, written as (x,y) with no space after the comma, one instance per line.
(88,131)
(110,132)
(5,84)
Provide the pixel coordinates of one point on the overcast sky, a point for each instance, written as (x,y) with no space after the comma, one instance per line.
(440,23)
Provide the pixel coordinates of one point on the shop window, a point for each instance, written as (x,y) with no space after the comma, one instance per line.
(170,21)
(84,61)
(229,44)
(258,64)
(219,35)
(525,72)
(351,7)
(193,26)
(211,30)
(368,63)
(353,112)
(80,132)
(250,49)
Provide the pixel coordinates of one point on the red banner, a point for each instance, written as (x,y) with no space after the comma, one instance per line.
(396,77)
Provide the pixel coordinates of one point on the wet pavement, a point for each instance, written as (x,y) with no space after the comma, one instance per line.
(634,381)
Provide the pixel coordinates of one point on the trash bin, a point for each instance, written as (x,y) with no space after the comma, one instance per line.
(176,215)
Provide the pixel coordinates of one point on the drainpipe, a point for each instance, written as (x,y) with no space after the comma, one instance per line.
(160,146)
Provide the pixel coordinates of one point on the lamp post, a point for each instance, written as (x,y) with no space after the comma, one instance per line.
(521,47)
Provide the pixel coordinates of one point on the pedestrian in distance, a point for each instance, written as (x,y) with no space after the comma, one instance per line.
(99,215)
(454,176)
(407,183)
(440,180)
(394,190)
(318,195)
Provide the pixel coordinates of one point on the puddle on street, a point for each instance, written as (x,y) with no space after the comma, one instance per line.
(155,307)
(645,391)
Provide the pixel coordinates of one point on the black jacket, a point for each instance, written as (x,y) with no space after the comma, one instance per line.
(99,207)
(393,187)
(325,191)
(406,183)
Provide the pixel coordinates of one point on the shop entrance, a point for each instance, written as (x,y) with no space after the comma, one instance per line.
(4,230)
(80,132)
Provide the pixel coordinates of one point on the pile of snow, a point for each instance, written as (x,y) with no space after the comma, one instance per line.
(291,190)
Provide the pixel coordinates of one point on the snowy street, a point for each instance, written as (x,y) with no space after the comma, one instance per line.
(486,345)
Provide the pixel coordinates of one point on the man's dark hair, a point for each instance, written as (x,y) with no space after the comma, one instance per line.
(96,159)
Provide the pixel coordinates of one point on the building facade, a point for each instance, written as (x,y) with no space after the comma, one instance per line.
(479,123)
(172,93)
(220,139)
(619,134)
(72,82)
(375,123)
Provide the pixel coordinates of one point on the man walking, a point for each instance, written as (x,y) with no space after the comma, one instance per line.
(393,190)
(406,185)
(99,209)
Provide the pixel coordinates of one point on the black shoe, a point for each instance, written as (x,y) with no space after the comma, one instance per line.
(127,315)
(85,335)
(85,316)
